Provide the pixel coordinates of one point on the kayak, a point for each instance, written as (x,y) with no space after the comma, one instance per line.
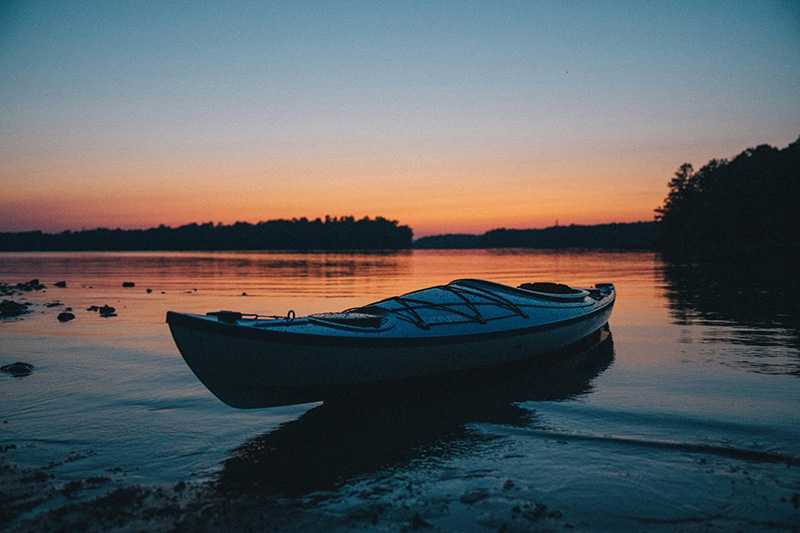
(251,361)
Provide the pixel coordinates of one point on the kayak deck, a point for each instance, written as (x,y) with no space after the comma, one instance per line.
(462,308)
(257,361)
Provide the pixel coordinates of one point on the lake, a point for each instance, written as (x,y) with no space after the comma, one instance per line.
(687,418)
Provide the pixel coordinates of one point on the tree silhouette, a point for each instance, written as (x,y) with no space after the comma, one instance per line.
(739,207)
(333,233)
(620,236)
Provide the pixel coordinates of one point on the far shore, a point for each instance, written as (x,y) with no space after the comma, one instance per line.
(333,235)
(337,251)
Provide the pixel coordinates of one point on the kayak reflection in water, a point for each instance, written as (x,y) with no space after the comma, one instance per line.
(346,438)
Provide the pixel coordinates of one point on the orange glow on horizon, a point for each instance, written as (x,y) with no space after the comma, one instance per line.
(446,119)
(427,215)
(457,195)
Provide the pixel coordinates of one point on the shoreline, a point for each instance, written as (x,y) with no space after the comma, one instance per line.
(385,251)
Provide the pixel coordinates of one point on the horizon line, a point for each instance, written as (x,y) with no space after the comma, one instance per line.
(322,219)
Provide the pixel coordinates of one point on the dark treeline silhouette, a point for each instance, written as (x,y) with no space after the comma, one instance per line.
(728,208)
(624,236)
(330,233)
(733,208)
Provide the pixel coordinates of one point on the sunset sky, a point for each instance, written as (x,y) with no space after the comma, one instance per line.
(449,116)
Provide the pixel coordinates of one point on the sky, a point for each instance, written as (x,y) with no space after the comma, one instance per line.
(448,116)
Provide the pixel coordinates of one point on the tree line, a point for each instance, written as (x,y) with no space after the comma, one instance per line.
(728,208)
(619,236)
(734,208)
(330,233)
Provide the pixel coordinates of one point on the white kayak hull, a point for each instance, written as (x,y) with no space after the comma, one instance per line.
(251,367)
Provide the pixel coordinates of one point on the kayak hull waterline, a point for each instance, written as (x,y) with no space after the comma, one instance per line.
(463,326)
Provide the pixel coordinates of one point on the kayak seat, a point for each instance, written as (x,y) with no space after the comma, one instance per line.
(549,288)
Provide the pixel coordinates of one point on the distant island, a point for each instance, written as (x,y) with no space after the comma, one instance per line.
(621,236)
(330,233)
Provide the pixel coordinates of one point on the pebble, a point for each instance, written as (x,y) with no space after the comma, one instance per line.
(17,369)
(105,311)
(65,316)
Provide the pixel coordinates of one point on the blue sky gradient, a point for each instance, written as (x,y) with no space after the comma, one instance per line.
(442,114)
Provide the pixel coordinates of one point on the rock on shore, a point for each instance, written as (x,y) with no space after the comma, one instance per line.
(32,285)
(17,369)
(105,311)
(10,308)
(66,316)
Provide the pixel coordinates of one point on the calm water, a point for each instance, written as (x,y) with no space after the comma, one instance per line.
(689,419)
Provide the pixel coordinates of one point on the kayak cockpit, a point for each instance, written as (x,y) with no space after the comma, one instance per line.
(552,292)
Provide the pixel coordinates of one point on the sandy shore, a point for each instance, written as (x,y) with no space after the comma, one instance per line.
(31,500)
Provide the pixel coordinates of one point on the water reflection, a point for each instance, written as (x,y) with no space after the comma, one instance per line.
(338,441)
(188,265)
(751,306)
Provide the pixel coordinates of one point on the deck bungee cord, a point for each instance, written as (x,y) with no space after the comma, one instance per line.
(410,305)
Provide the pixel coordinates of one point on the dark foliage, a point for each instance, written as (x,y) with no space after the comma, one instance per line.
(741,207)
(630,236)
(332,233)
